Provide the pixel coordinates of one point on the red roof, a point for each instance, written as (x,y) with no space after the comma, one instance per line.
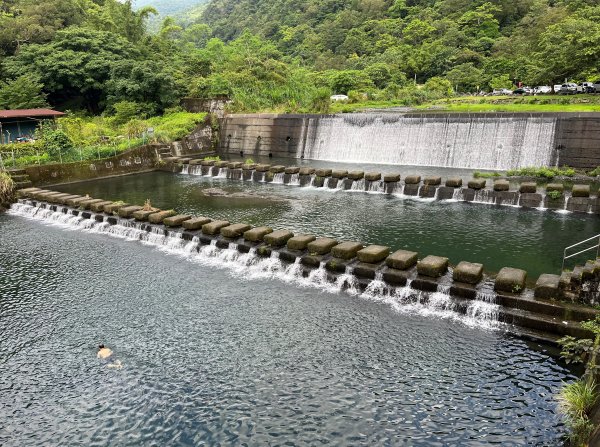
(26,113)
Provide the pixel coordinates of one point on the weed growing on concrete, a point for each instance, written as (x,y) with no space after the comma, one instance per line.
(249,161)
(554,195)
(478,174)
(217,158)
(147,205)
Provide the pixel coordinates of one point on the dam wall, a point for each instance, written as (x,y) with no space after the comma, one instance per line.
(495,141)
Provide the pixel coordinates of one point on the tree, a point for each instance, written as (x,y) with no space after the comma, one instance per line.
(465,77)
(499,82)
(24,92)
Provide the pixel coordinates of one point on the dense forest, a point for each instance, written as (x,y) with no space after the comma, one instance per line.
(98,55)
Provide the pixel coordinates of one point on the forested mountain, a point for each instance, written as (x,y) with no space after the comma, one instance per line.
(185,11)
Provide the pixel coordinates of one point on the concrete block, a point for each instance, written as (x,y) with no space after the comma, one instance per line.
(115,207)
(176,221)
(432,180)
(395,277)
(142,215)
(510,280)
(221,164)
(263,167)
(356,175)
(412,179)
(321,246)
(277,169)
(580,191)
(278,238)
(528,187)
(427,191)
(579,204)
(300,241)
(195,223)
(547,286)
(445,192)
(365,270)
(454,182)
(127,211)
(501,185)
(234,165)
(235,230)
(477,183)
(339,173)
(411,189)
(323,172)
(195,161)
(157,218)
(214,227)
(432,266)
(307,171)
(292,170)
(531,200)
(257,234)
(388,178)
(99,206)
(373,176)
(555,187)
(402,259)
(346,250)
(207,163)
(84,204)
(373,254)
(468,272)
(248,166)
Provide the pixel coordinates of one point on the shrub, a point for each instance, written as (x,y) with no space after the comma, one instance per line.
(576,401)
(7,189)
(249,161)
(543,172)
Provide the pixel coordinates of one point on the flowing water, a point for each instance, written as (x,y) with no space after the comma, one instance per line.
(495,236)
(223,348)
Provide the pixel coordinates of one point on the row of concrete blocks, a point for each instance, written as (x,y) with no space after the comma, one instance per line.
(509,280)
(395,269)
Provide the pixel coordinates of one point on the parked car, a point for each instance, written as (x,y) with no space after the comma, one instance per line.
(597,85)
(589,87)
(502,92)
(339,97)
(570,88)
(526,91)
(557,88)
(542,90)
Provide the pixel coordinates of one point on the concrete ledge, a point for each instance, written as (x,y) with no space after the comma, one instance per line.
(321,246)
(510,280)
(278,238)
(257,234)
(412,179)
(195,223)
(373,254)
(157,218)
(176,221)
(547,286)
(300,241)
(235,230)
(346,250)
(127,211)
(468,272)
(402,259)
(432,266)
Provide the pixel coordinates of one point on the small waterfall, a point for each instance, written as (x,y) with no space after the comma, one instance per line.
(194,170)
(222,172)
(326,182)
(294,180)
(358,185)
(481,312)
(313,178)
(185,169)
(278,178)
(486,196)
(377,187)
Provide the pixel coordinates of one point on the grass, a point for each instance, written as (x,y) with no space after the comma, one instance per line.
(478,174)
(543,172)
(7,188)
(576,401)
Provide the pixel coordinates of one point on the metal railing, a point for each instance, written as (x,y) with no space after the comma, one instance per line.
(596,246)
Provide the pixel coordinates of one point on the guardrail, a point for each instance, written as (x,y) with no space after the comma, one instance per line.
(596,247)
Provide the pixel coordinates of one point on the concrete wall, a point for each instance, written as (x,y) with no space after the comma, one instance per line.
(576,139)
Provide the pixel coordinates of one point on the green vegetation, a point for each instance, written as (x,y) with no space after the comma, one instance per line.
(478,174)
(249,161)
(217,158)
(554,195)
(79,138)
(595,172)
(7,188)
(544,173)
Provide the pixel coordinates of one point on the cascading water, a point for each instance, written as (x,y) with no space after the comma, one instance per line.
(377,187)
(358,185)
(192,170)
(481,312)
(294,180)
(278,178)
(478,142)
(222,172)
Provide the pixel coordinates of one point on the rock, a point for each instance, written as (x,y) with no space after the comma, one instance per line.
(307,171)
(580,191)
(234,231)
(257,234)
(58,198)
(389,178)
(213,228)
(477,183)
(115,207)
(412,179)
(278,169)
(142,215)
(176,221)
(501,185)
(432,181)
(195,223)
(555,187)
(468,272)
(528,188)
(99,207)
(373,176)
(432,266)
(402,259)
(323,172)
(373,254)
(300,242)
(157,218)
(346,250)
(339,173)
(214,192)
(547,286)
(510,280)
(292,170)
(263,167)
(127,211)
(278,238)
(321,246)
(454,182)
(356,175)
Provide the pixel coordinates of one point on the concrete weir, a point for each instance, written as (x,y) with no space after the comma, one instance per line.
(401,278)
(528,194)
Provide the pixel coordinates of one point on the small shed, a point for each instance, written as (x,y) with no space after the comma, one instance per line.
(18,124)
